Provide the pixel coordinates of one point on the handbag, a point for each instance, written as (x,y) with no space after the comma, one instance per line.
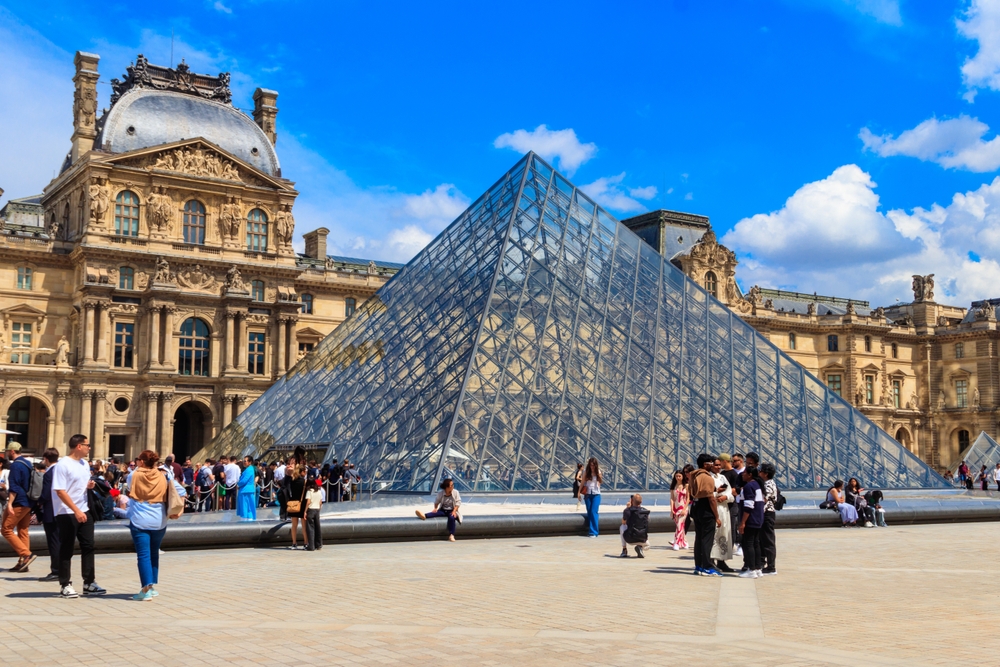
(175,504)
(295,506)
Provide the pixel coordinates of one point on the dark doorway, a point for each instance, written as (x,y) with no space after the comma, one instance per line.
(29,417)
(118,446)
(190,425)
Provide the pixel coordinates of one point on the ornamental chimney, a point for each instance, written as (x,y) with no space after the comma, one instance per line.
(265,112)
(316,243)
(84,104)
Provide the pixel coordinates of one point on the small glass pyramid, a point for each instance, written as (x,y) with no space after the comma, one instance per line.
(537,331)
(983,452)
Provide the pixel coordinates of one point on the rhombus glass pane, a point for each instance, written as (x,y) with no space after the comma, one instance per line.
(537,331)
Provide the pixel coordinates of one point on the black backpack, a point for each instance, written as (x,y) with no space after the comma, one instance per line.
(780,501)
(637,528)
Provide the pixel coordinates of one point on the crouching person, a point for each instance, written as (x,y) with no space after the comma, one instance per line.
(634,530)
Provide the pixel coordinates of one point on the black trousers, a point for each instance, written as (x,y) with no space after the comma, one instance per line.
(314,535)
(70,530)
(734,522)
(52,542)
(704,533)
(768,545)
(752,556)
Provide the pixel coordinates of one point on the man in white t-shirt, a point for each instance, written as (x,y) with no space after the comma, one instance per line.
(70,483)
(996,476)
(279,473)
(233,473)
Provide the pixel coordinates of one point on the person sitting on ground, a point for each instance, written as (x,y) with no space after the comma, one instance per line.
(835,496)
(854,495)
(447,504)
(634,530)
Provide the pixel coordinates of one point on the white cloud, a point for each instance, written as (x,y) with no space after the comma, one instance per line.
(689,196)
(883,11)
(550,145)
(437,207)
(218,6)
(608,192)
(956,143)
(831,238)
(981,23)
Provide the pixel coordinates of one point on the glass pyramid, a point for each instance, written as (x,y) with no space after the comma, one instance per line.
(983,452)
(537,331)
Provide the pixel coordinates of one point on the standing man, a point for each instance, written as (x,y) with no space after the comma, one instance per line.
(70,483)
(47,517)
(739,465)
(17,514)
(705,513)
(233,473)
(768,541)
(996,476)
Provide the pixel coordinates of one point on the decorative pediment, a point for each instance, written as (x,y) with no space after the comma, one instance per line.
(23,310)
(199,158)
(833,368)
(871,368)
(309,332)
(959,374)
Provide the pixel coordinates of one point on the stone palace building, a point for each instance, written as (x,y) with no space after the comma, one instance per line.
(151,291)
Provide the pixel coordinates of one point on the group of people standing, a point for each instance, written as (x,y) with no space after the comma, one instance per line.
(966,478)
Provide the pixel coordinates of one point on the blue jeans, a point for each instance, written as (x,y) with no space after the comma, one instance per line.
(593,503)
(451,519)
(147,553)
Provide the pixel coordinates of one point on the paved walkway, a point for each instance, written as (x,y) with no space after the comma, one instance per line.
(919,595)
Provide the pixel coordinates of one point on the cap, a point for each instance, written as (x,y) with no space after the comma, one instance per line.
(725,457)
(13,446)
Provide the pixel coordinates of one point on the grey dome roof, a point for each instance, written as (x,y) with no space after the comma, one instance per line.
(144,118)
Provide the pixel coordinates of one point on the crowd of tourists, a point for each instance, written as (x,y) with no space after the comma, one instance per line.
(966,478)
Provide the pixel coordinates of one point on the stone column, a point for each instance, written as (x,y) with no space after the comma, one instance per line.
(166,424)
(85,410)
(50,431)
(168,338)
(293,341)
(98,444)
(241,333)
(227,356)
(151,398)
(227,411)
(153,317)
(88,332)
(102,334)
(60,435)
(238,402)
(282,345)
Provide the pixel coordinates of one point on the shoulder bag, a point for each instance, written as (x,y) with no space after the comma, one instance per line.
(175,504)
(295,506)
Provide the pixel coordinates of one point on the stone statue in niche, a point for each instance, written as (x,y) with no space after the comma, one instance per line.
(159,211)
(975,397)
(230,219)
(234,281)
(62,352)
(284,225)
(99,200)
(941,403)
(162,275)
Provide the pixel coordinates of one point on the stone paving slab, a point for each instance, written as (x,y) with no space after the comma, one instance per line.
(847,597)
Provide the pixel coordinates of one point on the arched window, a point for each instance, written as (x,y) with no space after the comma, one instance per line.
(24,274)
(307,304)
(791,340)
(350,305)
(127,213)
(257,290)
(194,346)
(257,230)
(194,222)
(868,343)
(963,440)
(832,343)
(895,351)
(126,277)
(712,284)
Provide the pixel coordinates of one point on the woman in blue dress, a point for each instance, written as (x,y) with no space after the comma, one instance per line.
(246,491)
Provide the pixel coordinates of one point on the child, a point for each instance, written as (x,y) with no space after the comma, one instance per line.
(314,502)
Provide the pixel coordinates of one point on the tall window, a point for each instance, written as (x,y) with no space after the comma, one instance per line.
(895,351)
(194,222)
(791,340)
(963,440)
(350,305)
(124,344)
(868,343)
(24,277)
(257,290)
(833,384)
(869,389)
(255,354)
(305,348)
(961,393)
(712,284)
(20,341)
(194,348)
(257,230)
(307,304)
(959,350)
(127,214)
(897,391)
(832,343)
(126,277)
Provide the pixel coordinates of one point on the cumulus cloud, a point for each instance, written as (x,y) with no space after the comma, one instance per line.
(831,238)
(955,143)
(609,193)
(981,23)
(219,7)
(561,145)
(883,11)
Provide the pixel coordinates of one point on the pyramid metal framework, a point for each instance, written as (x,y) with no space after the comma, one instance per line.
(983,452)
(537,331)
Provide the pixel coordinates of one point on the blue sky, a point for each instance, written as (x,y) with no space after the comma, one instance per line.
(838,146)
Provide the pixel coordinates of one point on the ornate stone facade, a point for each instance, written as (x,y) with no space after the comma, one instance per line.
(159,293)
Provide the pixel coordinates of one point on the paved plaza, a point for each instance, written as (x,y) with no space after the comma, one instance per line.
(914,595)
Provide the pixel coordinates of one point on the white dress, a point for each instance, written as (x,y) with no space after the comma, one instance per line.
(722,548)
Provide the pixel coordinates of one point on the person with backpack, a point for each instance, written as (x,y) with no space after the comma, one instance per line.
(46,517)
(634,530)
(24,484)
(773,502)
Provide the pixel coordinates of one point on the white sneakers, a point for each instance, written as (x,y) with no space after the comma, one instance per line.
(68,592)
(750,574)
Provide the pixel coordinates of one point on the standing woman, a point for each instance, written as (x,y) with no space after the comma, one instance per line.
(722,548)
(592,479)
(577,481)
(246,491)
(297,493)
(679,508)
(147,514)
(984,479)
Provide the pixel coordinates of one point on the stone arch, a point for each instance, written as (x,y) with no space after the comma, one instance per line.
(193,419)
(903,437)
(39,420)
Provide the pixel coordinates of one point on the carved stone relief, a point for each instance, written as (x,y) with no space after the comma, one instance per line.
(197,279)
(159,211)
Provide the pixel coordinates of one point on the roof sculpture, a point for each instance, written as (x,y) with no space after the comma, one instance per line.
(537,331)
